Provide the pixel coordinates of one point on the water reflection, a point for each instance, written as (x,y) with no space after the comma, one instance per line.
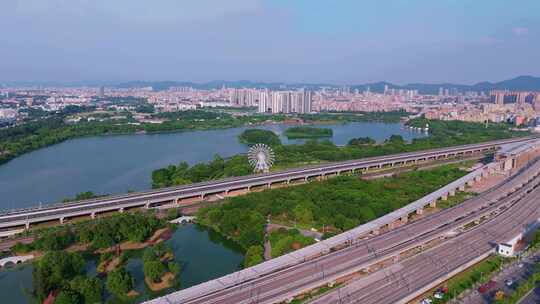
(202,253)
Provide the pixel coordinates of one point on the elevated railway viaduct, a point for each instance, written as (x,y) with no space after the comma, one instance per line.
(185,195)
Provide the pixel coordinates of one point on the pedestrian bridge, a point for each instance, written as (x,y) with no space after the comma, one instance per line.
(14,260)
(183,220)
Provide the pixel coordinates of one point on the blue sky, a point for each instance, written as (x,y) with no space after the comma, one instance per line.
(337,41)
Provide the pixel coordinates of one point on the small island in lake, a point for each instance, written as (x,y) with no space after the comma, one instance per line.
(159,267)
(308,132)
(258,136)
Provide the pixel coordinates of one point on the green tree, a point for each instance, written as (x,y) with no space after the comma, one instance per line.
(54,271)
(149,254)
(120,282)
(308,132)
(361,141)
(254,256)
(174,267)
(68,297)
(303,214)
(154,270)
(258,136)
(91,289)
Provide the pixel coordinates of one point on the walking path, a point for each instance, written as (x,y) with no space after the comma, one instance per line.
(267,244)
(304,232)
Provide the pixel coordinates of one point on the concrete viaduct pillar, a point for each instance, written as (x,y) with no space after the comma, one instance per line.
(61,220)
(121,210)
(27,226)
(433,204)
(452,192)
(420,211)
(444,197)
(93,215)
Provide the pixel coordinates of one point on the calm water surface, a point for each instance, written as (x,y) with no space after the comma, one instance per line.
(203,254)
(116,164)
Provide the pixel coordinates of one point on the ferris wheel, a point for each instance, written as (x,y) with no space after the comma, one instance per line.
(261,157)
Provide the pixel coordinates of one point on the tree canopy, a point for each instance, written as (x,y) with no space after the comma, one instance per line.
(54,271)
(120,282)
(258,136)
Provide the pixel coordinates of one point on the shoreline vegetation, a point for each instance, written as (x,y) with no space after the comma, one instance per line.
(308,132)
(65,249)
(442,134)
(45,129)
(257,136)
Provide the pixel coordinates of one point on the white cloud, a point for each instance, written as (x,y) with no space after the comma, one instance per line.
(520,31)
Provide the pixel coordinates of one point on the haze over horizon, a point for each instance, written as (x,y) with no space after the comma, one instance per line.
(271,41)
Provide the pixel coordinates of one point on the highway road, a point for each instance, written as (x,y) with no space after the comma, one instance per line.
(281,285)
(22,216)
(423,269)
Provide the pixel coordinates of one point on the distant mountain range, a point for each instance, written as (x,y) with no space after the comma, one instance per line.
(521,83)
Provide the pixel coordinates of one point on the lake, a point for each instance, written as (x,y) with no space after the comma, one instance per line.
(116,164)
(202,253)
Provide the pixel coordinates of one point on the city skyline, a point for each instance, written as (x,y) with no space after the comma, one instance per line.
(278,41)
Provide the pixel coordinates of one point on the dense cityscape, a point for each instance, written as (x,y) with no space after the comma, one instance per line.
(521,108)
